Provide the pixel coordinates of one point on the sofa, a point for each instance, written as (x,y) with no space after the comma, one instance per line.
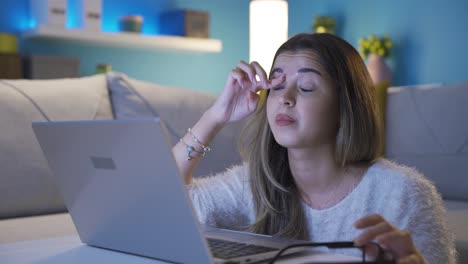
(425,127)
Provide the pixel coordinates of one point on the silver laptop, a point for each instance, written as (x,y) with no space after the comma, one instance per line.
(123,191)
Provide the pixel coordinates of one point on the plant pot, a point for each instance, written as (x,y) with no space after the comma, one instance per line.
(378,69)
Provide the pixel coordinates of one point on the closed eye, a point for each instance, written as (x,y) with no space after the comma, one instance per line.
(278,88)
(306,90)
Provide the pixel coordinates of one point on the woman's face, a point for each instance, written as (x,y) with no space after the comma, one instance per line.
(303,111)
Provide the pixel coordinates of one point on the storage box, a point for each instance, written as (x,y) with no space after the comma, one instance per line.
(189,23)
(11,66)
(92,10)
(8,43)
(49,12)
(51,67)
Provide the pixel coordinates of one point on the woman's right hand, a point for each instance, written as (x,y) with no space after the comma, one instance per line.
(239,97)
(238,100)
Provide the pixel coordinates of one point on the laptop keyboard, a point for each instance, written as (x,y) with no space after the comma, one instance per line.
(228,249)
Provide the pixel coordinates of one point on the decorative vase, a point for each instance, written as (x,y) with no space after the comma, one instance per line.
(378,69)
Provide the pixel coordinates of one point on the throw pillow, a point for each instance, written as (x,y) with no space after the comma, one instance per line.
(179,109)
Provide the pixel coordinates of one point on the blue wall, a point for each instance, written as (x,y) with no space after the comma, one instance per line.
(430,42)
(430,36)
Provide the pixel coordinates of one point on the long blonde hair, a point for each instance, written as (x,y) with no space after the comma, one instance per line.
(277,203)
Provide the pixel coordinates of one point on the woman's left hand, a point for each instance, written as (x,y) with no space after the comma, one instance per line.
(393,240)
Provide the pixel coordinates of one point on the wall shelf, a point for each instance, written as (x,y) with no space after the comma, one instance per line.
(127,40)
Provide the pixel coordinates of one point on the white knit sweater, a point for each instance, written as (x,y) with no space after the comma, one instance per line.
(400,194)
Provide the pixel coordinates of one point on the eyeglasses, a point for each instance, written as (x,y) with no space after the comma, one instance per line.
(379,259)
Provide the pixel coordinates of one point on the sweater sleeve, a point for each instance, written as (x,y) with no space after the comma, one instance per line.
(223,200)
(427,222)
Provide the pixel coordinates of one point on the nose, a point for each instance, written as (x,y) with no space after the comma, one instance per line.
(288,96)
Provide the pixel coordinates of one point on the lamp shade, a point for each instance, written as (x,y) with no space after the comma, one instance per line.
(268,30)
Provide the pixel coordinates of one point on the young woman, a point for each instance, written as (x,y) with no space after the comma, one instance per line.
(312,168)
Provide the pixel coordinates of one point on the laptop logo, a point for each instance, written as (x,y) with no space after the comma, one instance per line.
(103,163)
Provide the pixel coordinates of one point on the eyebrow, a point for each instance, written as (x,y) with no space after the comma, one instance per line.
(301,70)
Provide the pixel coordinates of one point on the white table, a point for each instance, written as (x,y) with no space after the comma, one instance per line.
(70,250)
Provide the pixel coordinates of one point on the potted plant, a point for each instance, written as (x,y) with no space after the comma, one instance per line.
(324,24)
(375,50)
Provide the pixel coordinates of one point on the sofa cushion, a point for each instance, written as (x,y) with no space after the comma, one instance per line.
(26,186)
(426,128)
(180,109)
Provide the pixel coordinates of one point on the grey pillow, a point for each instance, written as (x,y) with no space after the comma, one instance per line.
(26,184)
(180,109)
(426,127)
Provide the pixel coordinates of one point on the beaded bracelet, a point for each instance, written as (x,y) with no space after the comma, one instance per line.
(205,148)
(191,150)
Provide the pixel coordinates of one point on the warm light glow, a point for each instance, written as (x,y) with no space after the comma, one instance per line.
(321,29)
(268,30)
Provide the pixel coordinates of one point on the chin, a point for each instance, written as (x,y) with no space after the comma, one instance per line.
(288,141)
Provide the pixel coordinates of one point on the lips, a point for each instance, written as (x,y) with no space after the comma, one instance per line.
(284,120)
